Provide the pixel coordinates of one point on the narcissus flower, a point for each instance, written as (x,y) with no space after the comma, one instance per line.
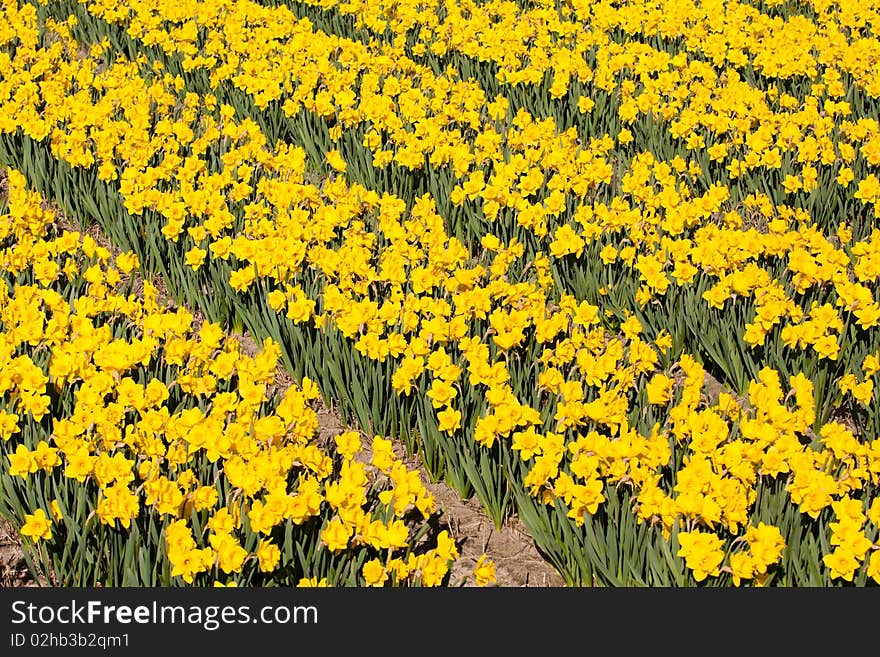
(703,553)
(449,419)
(484,571)
(659,389)
(374,573)
(37,526)
(335,160)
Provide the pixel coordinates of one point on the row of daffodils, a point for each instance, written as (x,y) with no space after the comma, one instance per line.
(525,261)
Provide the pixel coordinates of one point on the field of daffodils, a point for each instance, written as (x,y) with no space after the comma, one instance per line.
(609,267)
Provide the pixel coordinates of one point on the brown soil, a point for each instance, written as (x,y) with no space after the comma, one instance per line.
(13,569)
(517,561)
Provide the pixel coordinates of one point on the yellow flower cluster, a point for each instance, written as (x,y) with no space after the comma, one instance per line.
(157,415)
(658,195)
